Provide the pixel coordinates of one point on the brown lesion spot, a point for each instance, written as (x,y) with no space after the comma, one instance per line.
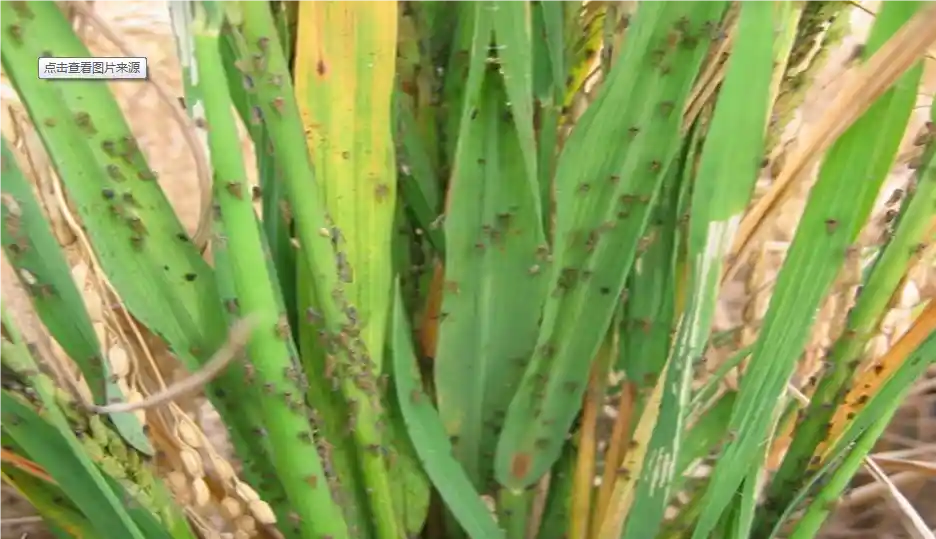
(520,465)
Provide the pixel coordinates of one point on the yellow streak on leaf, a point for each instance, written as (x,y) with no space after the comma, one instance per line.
(870,381)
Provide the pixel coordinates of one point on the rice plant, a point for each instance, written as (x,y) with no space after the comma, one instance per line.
(476,225)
